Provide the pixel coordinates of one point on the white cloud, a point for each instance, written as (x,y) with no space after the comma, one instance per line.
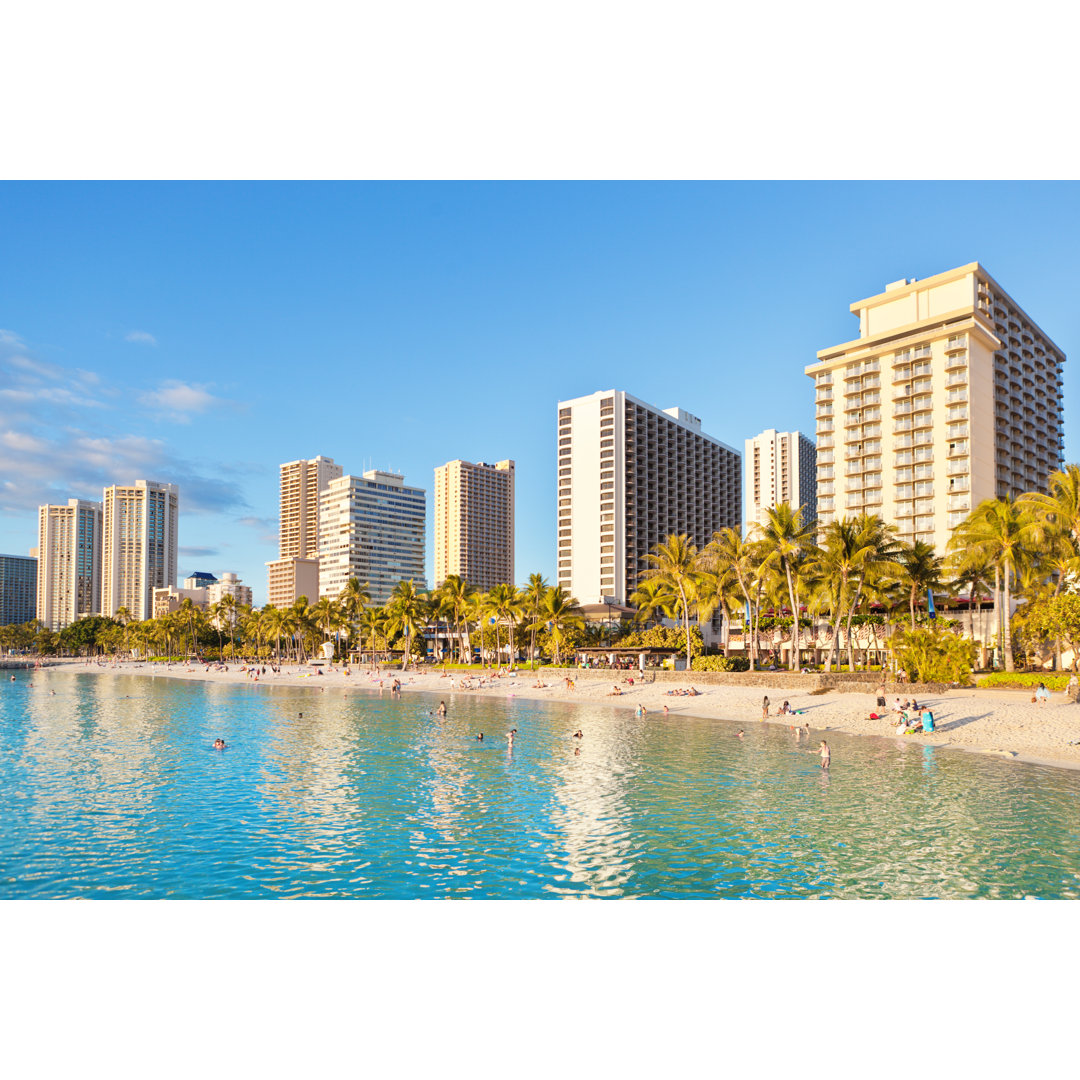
(140,337)
(180,399)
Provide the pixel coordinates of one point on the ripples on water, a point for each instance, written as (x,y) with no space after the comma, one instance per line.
(110,788)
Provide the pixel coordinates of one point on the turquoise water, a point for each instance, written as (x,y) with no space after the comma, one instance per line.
(110,788)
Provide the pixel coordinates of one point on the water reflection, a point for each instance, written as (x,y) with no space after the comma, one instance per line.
(111,788)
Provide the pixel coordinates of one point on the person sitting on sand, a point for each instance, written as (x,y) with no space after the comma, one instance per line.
(1042,695)
(615,692)
(785,709)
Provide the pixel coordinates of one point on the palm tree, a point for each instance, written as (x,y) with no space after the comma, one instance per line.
(972,575)
(273,622)
(405,611)
(560,612)
(187,609)
(653,599)
(1004,530)
(228,610)
(920,571)
(508,604)
(675,562)
(373,624)
(728,550)
(354,598)
(1061,506)
(475,612)
(457,592)
(215,621)
(535,592)
(787,539)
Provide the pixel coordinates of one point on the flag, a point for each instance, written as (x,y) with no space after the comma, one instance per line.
(748,614)
(930,604)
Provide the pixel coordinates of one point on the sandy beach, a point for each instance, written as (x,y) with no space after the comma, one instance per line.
(1004,723)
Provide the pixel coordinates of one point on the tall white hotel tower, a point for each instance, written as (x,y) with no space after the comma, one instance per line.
(631,474)
(138,545)
(951,394)
(69,562)
(781,466)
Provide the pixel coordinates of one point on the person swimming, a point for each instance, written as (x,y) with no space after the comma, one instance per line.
(441,710)
(480,737)
(740,733)
(219,744)
(577,735)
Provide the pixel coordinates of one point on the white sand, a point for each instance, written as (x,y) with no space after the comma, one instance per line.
(1002,722)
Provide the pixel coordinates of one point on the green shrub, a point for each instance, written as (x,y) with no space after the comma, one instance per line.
(720,663)
(933,655)
(1023,680)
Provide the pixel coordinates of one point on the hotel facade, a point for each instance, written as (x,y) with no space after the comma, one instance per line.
(295,572)
(139,538)
(629,475)
(474,523)
(69,551)
(950,395)
(781,466)
(18,589)
(373,528)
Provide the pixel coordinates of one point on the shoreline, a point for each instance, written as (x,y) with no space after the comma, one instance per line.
(1003,724)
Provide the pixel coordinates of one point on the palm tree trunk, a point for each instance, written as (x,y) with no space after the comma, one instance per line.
(997,605)
(795,619)
(1007,628)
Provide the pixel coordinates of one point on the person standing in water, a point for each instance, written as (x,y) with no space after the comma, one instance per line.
(826,756)
(764,706)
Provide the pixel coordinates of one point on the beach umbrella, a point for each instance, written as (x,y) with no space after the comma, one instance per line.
(931,612)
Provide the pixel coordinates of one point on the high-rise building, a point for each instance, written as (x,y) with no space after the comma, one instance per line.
(371,527)
(780,466)
(474,523)
(69,562)
(138,546)
(295,572)
(18,589)
(302,482)
(630,475)
(950,395)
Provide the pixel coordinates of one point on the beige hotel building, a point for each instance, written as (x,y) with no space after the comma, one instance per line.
(629,475)
(138,545)
(781,466)
(69,562)
(951,394)
(295,572)
(474,523)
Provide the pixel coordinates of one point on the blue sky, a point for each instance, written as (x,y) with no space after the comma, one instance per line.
(204,333)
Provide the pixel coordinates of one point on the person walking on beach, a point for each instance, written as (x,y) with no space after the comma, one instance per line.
(764,706)
(826,757)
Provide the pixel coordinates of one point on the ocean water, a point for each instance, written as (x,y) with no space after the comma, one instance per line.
(110,788)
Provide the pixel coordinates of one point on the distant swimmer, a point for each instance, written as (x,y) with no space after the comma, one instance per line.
(441,710)
(219,744)
(480,737)
(826,756)
(740,733)
(578,735)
